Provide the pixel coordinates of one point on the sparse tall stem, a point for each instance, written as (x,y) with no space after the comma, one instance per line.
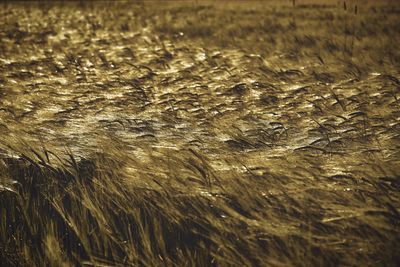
(354,30)
(345,27)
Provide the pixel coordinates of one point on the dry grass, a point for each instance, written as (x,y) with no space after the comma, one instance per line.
(199,134)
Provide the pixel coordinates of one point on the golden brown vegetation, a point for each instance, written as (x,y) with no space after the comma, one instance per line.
(199,134)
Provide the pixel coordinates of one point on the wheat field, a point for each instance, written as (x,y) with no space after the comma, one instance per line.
(232,133)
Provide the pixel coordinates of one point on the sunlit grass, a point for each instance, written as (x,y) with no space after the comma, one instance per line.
(199,134)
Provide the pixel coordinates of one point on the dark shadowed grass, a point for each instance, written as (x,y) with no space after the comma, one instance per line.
(94,212)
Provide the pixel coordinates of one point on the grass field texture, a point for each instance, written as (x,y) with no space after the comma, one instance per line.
(200,133)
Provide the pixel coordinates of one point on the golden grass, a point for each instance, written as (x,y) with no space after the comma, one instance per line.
(199,134)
